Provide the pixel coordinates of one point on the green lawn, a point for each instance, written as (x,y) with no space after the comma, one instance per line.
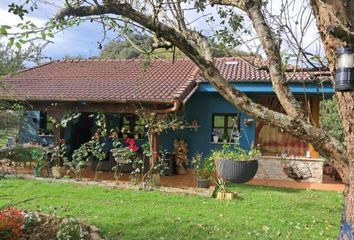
(263,213)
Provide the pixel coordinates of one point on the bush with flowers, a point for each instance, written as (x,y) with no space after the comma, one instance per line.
(11,223)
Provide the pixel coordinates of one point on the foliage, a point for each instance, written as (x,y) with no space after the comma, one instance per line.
(225,136)
(124,49)
(31,219)
(8,123)
(204,168)
(11,222)
(128,214)
(70,229)
(23,154)
(216,132)
(78,159)
(38,155)
(330,119)
(204,173)
(221,185)
(11,60)
(58,152)
(234,152)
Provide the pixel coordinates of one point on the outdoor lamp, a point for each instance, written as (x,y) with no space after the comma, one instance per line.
(345,69)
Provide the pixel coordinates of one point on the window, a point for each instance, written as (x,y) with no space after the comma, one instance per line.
(126,125)
(225,127)
(46,126)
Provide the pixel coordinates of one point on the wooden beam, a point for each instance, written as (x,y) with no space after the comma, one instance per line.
(315,118)
(95,107)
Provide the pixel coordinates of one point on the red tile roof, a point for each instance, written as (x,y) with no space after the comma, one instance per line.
(252,70)
(125,80)
(104,80)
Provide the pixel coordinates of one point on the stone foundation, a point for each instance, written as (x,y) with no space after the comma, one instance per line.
(270,167)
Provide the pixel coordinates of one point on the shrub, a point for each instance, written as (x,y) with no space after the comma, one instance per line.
(11,222)
(234,152)
(70,229)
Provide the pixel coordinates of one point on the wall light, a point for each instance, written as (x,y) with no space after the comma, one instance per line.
(345,69)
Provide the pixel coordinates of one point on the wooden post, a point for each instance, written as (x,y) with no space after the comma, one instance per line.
(315,118)
(58,132)
(155,140)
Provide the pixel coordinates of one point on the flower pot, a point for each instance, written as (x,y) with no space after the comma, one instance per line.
(58,172)
(136,136)
(203,183)
(237,171)
(36,171)
(229,196)
(224,141)
(181,170)
(215,139)
(225,195)
(220,195)
(156,179)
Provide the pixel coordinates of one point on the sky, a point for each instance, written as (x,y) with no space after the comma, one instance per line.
(82,40)
(76,41)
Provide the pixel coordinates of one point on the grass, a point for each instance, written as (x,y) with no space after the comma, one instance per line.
(262,213)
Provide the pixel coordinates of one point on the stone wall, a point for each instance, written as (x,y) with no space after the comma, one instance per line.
(272,168)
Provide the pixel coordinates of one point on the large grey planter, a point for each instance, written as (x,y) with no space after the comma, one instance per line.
(237,171)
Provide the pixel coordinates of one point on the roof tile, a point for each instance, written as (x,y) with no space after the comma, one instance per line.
(126,80)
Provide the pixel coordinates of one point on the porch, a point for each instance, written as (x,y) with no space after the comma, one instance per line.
(188,180)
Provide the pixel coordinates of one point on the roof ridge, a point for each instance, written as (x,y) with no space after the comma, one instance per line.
(121,60)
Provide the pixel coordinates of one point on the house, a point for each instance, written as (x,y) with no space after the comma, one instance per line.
(119,87)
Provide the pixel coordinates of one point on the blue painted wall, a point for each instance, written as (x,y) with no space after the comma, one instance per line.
(325,89)
(201,107)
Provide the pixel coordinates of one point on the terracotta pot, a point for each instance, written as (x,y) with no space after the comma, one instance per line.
(156,179)
(58,172)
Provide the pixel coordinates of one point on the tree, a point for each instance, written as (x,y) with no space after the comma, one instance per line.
(124,49)
(129,49)
(10,62)
(166,21)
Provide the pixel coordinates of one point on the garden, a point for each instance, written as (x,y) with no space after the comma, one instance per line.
(257,212)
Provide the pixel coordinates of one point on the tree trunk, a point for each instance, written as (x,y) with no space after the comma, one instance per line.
(335,23)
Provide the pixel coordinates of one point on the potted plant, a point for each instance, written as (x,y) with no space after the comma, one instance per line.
(225,137)
(37,155)
(235,164)
(125,133)
(203,176)
(137,133)
(222,192)
(216,134)
(203,169)
(236,136)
